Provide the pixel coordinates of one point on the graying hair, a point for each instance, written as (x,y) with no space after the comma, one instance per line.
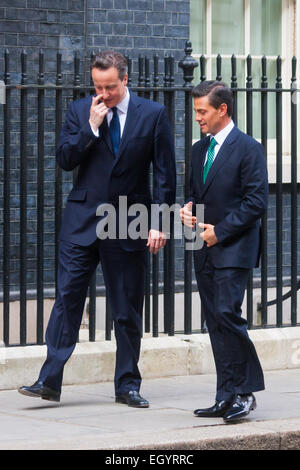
(106,59)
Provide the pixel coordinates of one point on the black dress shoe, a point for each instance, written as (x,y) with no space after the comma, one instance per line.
(132,398)
(38,389)
(240,407)
(215,411)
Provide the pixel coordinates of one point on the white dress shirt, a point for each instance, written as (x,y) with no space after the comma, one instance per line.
(122,108)
(220,137)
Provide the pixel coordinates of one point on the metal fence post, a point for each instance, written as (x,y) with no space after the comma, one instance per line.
(188,64)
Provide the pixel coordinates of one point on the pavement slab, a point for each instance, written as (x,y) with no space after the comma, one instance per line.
(88,418)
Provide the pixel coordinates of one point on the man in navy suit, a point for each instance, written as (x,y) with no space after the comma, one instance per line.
(112,138)
(229,178)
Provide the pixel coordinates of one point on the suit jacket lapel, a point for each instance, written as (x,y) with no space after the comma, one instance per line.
(221,158)
(130,123)
(198,164)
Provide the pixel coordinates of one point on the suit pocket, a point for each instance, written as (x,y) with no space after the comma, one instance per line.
(77,195)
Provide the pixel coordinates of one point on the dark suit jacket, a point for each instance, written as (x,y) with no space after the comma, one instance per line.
(102,177)
(235,196)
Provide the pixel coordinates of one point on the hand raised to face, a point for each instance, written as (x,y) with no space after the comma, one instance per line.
(98,112)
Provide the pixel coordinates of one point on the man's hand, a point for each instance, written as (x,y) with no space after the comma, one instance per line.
(156,240)
(98,112)
(208,235)
(186,215)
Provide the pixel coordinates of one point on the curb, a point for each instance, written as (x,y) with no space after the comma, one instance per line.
(249,435)
(165,356)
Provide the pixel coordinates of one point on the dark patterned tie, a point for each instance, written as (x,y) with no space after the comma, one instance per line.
(115,130)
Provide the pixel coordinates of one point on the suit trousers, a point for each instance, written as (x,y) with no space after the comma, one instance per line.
(237,365)
(124,274)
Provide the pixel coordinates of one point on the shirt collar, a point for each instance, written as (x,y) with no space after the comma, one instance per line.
(123,105)
(221,136)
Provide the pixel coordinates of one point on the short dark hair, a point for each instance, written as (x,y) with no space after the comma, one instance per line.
(217,93)
(106,59)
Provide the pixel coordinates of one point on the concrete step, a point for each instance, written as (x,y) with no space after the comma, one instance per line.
(165,356)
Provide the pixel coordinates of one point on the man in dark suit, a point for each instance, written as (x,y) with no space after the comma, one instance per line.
(112,138)
(229,178)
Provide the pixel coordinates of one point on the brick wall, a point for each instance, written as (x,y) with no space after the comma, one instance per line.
(131,26)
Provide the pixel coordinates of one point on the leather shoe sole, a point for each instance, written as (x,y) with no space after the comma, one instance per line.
(43,392)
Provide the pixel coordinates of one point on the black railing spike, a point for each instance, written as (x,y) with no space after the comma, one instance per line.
(76,69)
(278,68)
(249,69)
(172,64)
(233,72)
(58,68)
(6,69)
(129,70)
(141,62)
(188,64)
(202,68)
(23,67)
(264,69)
(219,68)
(41,68)
(294,69)
(92,57)
(155,71)
(147,72)
(167,70)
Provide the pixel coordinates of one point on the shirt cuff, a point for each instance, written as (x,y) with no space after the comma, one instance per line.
(96,133)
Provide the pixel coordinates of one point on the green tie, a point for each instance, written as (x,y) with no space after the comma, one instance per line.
(210,158)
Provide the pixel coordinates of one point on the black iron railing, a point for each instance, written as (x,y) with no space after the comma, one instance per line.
(161,275)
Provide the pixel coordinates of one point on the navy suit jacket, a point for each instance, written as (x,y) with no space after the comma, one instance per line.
(102,177)
(235,196)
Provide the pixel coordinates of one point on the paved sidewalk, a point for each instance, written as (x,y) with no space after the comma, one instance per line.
(88,418)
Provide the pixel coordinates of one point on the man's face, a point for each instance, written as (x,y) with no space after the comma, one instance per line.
(210,119)
(108,85)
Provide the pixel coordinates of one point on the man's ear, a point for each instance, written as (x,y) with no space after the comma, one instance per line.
(125,79)
(223,109)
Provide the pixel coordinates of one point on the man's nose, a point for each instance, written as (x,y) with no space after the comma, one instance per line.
(105,94)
